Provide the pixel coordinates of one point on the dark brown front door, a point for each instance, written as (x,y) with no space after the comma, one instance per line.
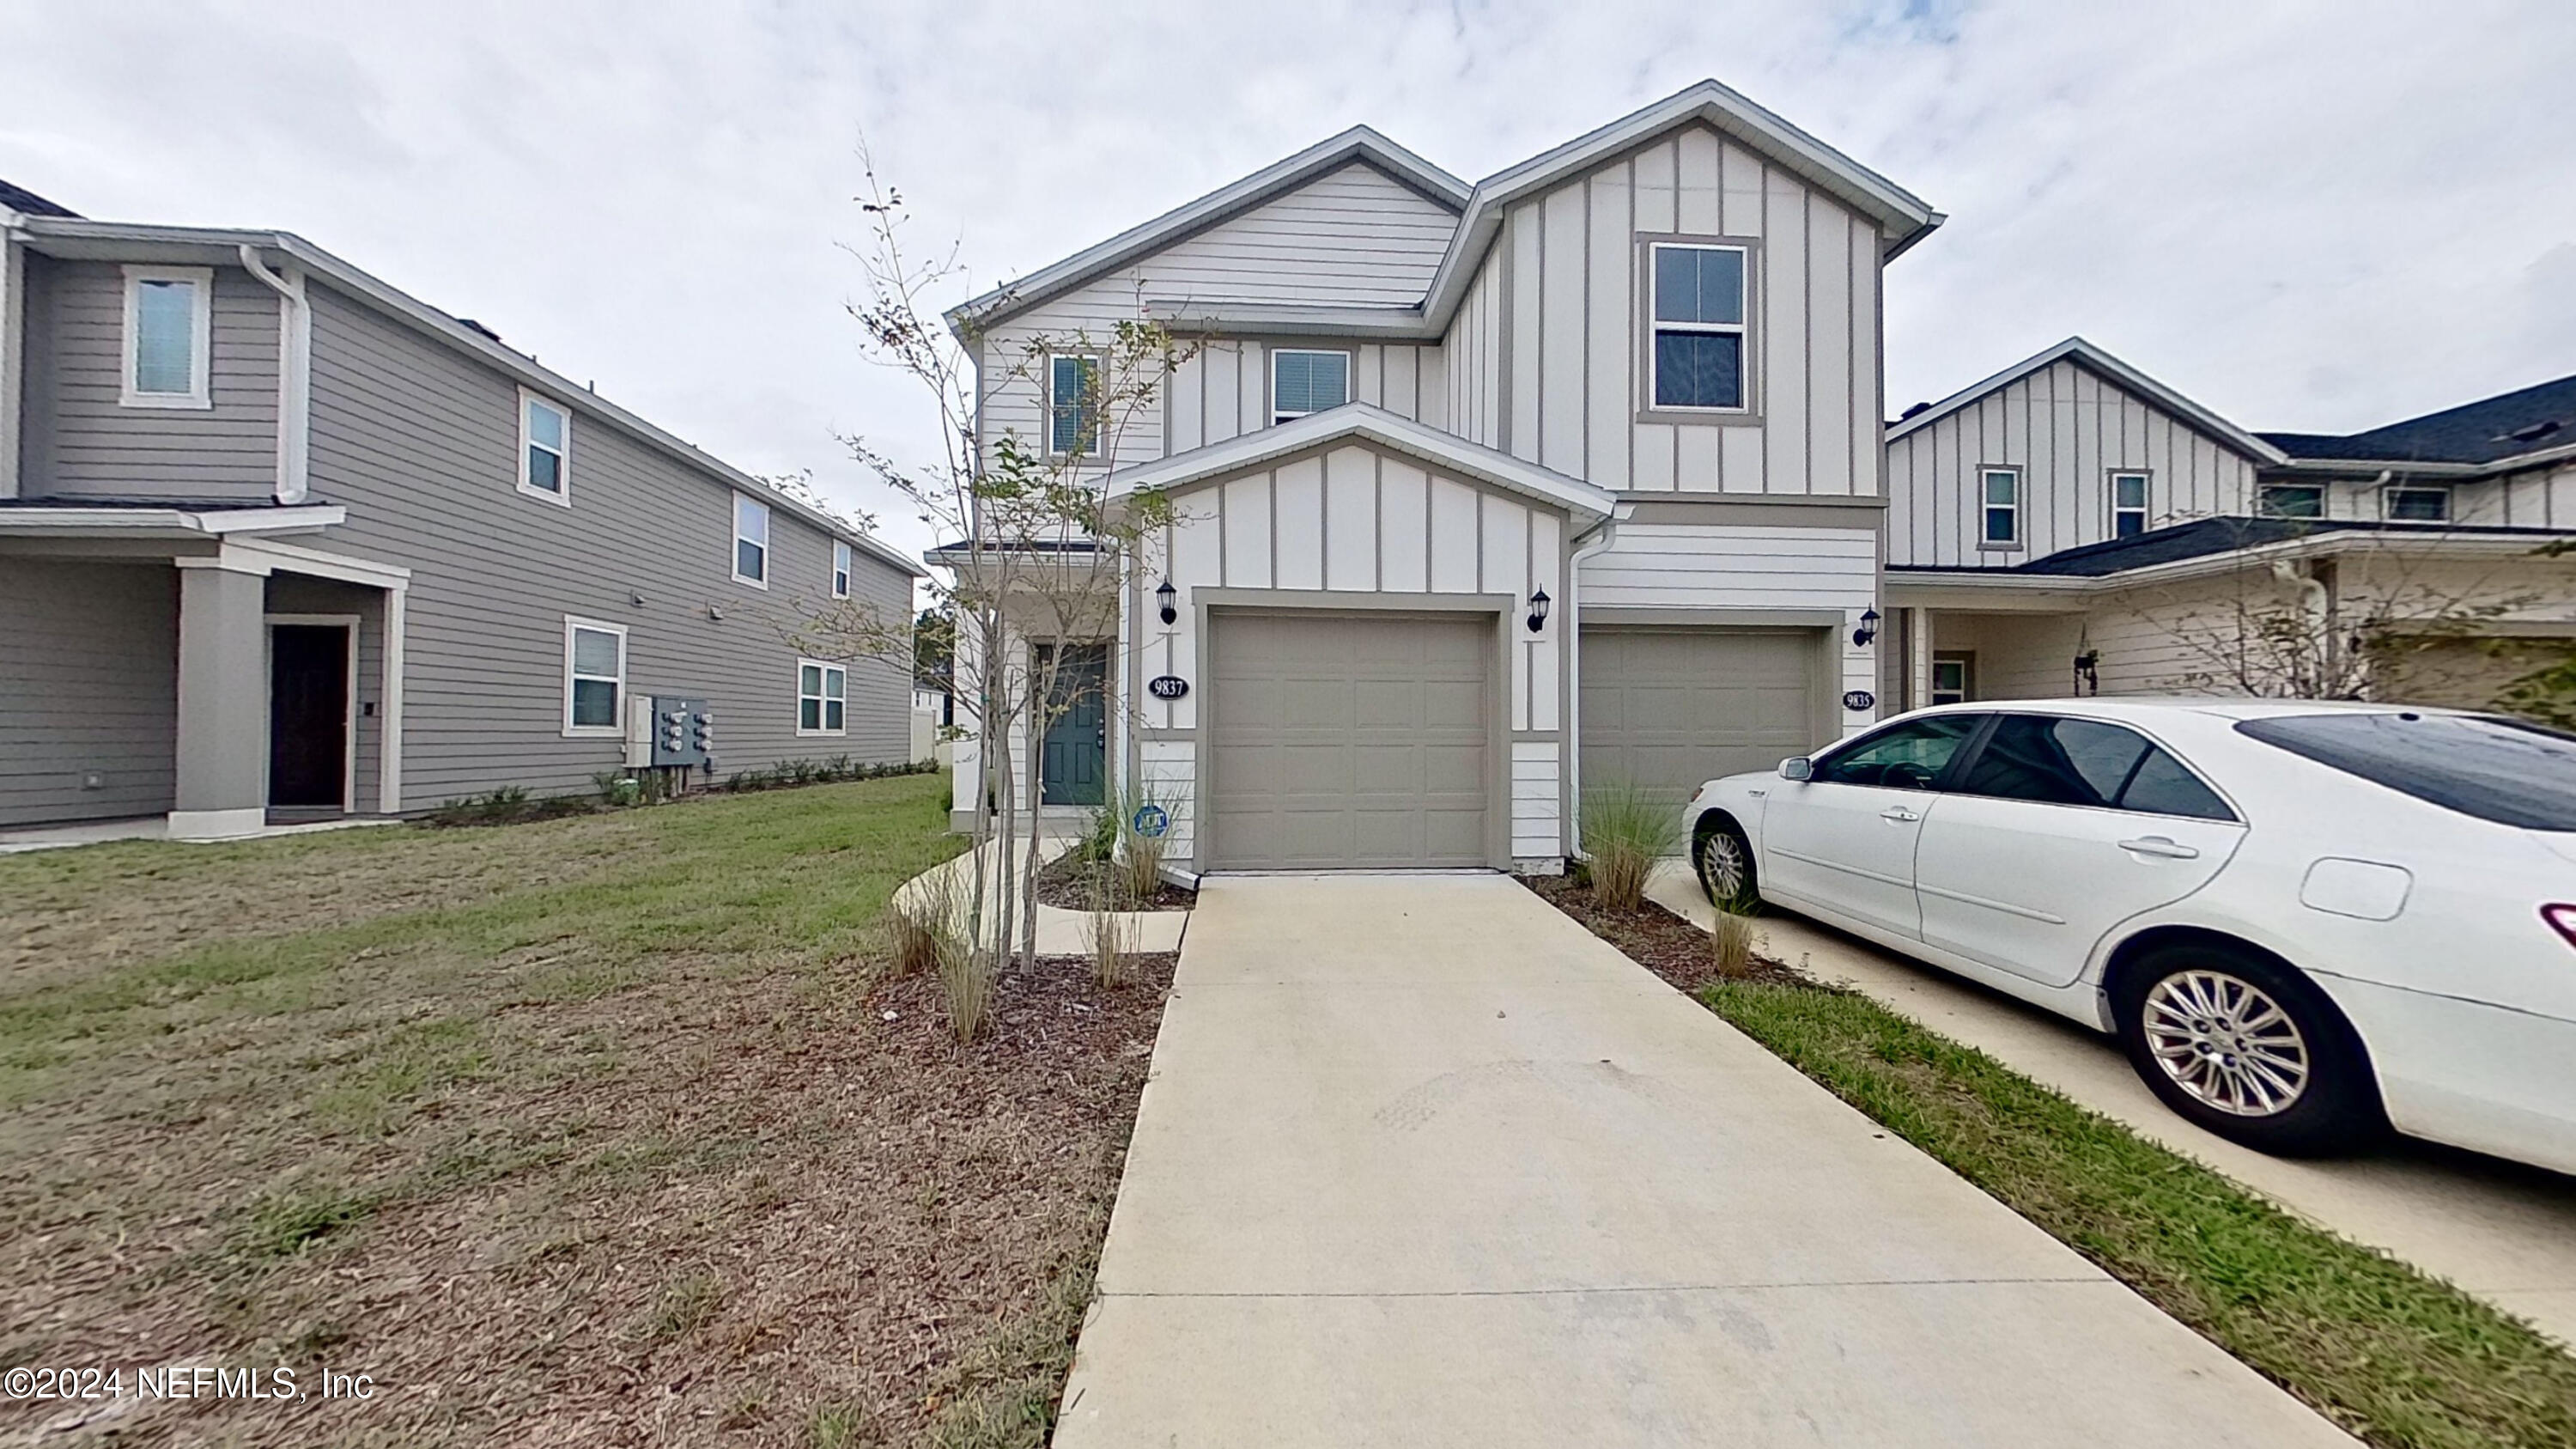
(308,714)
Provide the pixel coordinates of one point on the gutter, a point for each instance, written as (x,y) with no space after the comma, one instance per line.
(1603,535)
(77,522)
(294,375)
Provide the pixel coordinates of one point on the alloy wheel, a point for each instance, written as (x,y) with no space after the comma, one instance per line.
(1722,867)
(2225,1042)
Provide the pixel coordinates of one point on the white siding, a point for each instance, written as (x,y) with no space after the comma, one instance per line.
(1538,811)
(1354,238)
(1222,390)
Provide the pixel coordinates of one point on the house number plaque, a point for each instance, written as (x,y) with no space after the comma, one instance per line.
(1859,699)
(1167,686)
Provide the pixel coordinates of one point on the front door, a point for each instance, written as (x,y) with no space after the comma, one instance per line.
(1077,739)
(308,715)
(1843,840)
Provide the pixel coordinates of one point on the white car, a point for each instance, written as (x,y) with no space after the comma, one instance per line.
(2306,922)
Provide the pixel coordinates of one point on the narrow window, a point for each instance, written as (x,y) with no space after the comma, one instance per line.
(168,320)
(2128,504)
(2416,503)
(545,449)
(1303,382)
(2291,500)
(1698,357)
(1073,406)
(2002,528)
(750,541)
(840,569)
(1953,677)
(821,698)
(594,677)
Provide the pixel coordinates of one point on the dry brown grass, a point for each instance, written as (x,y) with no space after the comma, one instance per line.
(1730,942)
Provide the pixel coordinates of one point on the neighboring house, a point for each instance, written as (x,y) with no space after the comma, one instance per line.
(1489,493)
(2072,525)
(278,541)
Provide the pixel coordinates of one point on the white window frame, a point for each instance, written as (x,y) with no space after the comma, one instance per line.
(561,497)
(1967,690)
(845,563)
(2146,491)
(768,530)
(2388,497)
(1985,537)
(1099,366)
(1742,330)
(616,729)
(200,394)
(823,701)
(2263,504)
(1350,366)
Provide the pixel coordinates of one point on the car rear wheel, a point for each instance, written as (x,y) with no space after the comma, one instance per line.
(1724,861)
(2248,1048)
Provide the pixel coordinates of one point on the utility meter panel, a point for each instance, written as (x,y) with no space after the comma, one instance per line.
(684,733)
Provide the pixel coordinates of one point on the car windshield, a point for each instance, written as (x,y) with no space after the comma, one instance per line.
(2494,769)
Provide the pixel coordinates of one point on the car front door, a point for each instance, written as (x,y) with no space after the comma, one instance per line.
(2057,830)
(1842,841)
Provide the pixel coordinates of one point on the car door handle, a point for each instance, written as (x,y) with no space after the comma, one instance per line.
(1900,815)
(2157,845)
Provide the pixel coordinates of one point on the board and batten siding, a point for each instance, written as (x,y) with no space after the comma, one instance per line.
(2539,498)
(2068,429)
(1358,520)
(1222,388)
(420,444)
(80,441)
(89,681)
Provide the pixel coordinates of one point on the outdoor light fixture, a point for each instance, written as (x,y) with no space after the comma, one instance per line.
(1538,610)
(1164,597)
(1868,629)
(2088,672)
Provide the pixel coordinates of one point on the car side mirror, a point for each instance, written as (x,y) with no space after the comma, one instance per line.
(1797,767)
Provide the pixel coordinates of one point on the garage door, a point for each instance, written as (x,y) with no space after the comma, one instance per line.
(1668,708)
(1348,741)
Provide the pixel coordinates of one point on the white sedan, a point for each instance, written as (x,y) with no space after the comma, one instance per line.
(2306,922)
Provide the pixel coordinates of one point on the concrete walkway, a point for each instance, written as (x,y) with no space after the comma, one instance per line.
(1061,932)
(2504,1232)
(1422,1162)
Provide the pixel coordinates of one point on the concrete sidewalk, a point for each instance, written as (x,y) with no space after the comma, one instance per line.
(1422,1162)
(1061,932)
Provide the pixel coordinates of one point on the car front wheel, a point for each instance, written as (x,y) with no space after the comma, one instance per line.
(2248,1048)
(1724,860)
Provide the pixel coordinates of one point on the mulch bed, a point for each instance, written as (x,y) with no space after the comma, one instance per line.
(1653,937)
(1076,885)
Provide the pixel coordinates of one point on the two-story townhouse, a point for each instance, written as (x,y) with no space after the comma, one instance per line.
(1488,494)
(279,542)
(2073,525)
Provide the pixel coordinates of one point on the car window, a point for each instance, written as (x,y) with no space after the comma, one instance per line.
(2493,769)
(2058,761)
(1909,756)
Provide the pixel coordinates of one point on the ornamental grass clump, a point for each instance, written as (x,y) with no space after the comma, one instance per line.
(1626,830)
(1730,942)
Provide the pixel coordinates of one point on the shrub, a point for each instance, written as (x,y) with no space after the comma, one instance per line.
(1730,940)
(922,913)
(966,984)
(1626,829)
(1111,932)
(1139,856)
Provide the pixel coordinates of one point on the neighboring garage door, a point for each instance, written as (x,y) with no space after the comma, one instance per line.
(1667,708)
(1349,741)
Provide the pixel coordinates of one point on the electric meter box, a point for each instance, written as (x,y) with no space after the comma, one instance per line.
(670,729)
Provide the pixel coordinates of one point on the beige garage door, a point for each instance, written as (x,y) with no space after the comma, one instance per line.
(1348,741)
(1668,708)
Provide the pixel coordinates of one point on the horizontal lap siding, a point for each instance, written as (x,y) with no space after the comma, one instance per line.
(1353,238)
(421,445)
(88,682)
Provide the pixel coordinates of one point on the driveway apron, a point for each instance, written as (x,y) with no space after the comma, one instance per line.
(1422,1162)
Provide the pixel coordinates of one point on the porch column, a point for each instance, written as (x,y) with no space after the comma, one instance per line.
(223,704)
(1918,663)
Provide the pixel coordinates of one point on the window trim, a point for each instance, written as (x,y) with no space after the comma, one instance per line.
(768,531)
(2146,496)
(1966,659)
(2388,494)
(2264,509)
(573,624)
(2021,479)
(1087,457)
(1749,413)
(200,395)
(823,701)
(845,567)
(561,498)
(1270,375)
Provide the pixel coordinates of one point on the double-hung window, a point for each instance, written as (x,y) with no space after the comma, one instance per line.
(841,562)
(750,541)
(169,319)
(2416,503)
(2128,504)
(2000,515)
(822,692)
(545,450)
(1304,381)
(2291,500)
(594,676)
(1073,405)
(1698,310)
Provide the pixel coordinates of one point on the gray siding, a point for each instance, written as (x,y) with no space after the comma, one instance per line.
(81,442)
(421,445)
(89,680)
(1354,238)
(294,594)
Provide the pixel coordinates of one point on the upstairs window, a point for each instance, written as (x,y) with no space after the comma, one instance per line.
(1697,361)
(1073,406)
(750,541)
(840,569)
(2291,500)
(2128,504)
(821,698)
(2416,503)
(1303,382)
(169,317)
(545,449)
(2001,526)
(594,677)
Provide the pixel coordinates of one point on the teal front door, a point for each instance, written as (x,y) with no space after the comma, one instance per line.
(1076,752)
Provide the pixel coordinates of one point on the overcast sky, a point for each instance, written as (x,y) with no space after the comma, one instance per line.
(2310,216)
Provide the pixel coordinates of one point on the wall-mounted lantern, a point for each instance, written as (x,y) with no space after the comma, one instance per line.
(1164,596)
(2088,672)
(1868,629)
(1538,610)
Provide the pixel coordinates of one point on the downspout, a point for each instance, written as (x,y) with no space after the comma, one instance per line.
(13,307)
(294,374)
(1603,534)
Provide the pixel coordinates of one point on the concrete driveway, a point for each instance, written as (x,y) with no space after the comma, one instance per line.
(2502,1231)
(1422,1162)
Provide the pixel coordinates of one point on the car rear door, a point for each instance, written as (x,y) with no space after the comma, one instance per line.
(2057,830)
(1842,841)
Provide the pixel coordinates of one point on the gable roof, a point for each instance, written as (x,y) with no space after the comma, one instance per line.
(1359,144)
(2538,419)
(2221,534)
(2102,364)
(1360,422)
(27,203)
